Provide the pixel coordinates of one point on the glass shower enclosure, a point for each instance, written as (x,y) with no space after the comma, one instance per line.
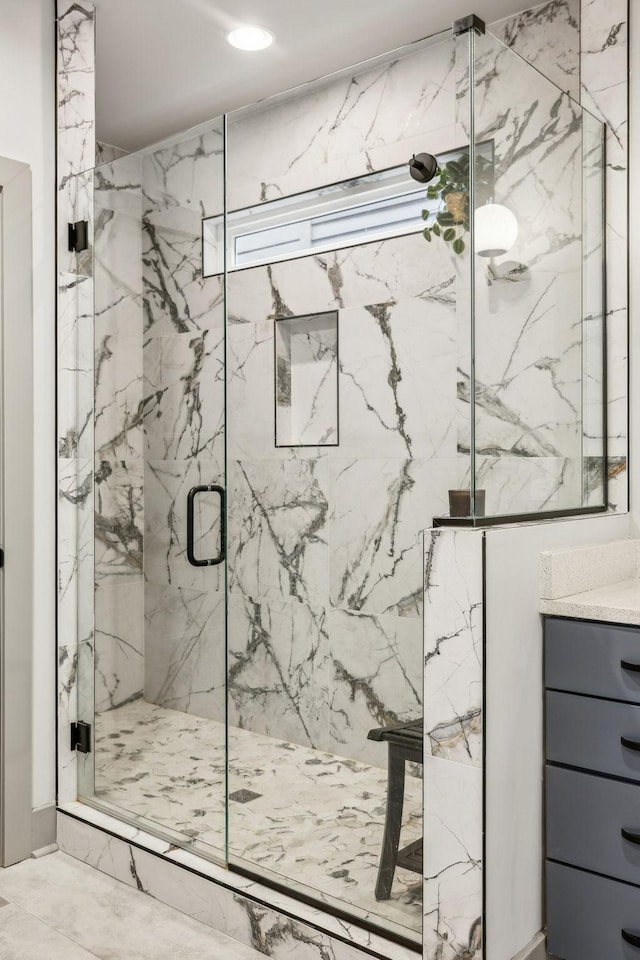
(302,357)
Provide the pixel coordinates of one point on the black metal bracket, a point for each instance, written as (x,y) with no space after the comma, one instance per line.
(78,236)
(81,737)
(472,22)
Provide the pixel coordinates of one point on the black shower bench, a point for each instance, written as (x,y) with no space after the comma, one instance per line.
(405,746)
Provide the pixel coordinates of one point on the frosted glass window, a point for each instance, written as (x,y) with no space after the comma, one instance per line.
(306,380)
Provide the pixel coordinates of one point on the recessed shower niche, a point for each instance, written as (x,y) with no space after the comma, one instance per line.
(306,380)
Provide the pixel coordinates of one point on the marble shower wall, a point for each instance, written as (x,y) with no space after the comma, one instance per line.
(118,435)
(75,160)
(453,737)
(582,46)
(182,362)
(325,581)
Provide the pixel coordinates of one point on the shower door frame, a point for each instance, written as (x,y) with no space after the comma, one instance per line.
(16,523)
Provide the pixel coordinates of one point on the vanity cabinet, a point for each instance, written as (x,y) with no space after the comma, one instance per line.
(592,782)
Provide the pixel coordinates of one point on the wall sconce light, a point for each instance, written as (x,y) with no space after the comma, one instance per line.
(496,230)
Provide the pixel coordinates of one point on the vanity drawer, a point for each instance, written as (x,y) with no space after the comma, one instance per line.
(588,658)
(586,915)
(587,732)
(585,819)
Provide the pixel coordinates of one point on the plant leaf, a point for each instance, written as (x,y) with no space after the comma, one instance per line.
(458,245)
(426,233)
(445,218)
(425,214)
(435,229)
(449,234)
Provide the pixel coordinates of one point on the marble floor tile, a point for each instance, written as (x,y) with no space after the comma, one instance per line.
(24,937)
(294,811)
(104,918)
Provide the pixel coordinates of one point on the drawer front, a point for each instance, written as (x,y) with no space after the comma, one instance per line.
(587,658)
(585,819)
(586,915)
(586,732)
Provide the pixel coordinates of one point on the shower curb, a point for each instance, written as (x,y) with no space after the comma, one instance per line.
(251,913)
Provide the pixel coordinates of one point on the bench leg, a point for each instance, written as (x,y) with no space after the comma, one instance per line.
(392,825)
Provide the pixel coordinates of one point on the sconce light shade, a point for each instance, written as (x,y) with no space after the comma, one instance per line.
(496,230)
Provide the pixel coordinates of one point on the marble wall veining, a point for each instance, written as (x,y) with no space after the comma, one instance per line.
(325,552)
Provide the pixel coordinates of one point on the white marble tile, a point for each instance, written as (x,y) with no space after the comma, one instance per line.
(343,123)
(453,861)
(118,524)
(548,36)
(379,510)
(75,367)
(76,86)
(184,381)
(118,669)
(278,528)
(278,668)
(166,488)
(337,823)
(75,550)
(119,391)
(67,714)
(187,174)
(103,911)
(184,662)
(376,679)
(25,937)
(453,645)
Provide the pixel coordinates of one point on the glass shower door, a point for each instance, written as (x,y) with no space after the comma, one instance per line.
(152,681)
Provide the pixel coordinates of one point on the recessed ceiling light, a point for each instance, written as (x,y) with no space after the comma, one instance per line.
(250,38)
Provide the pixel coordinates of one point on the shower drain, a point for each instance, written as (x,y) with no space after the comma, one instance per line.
(244,796)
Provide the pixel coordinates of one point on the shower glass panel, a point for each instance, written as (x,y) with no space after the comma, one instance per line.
(267,442)
(152,681)
(538,293)
(325,538)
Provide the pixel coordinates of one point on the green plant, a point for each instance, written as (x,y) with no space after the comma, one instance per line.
(451,221)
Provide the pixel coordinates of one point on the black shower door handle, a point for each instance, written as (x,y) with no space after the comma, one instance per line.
(193,493)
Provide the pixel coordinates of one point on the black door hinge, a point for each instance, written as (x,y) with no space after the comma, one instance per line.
(1,557)
(81,737)
(79,236)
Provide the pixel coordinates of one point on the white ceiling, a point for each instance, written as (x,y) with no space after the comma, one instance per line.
(165,65)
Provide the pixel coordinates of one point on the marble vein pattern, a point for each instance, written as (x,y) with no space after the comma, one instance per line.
(166,487)
(547,35)
(118,523)
(76,87)
(44,921)
(340,803)
(75,550)
(453,921)
(75,367)
(453,737)
(604,66)
(278,668)
(248,911)
(370,121)
(453,646)
(379,690)
(184,379)
(184,663)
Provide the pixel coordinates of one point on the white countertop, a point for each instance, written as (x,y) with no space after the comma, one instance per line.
(616,603)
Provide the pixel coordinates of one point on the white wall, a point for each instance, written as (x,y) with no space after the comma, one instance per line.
(27,134)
